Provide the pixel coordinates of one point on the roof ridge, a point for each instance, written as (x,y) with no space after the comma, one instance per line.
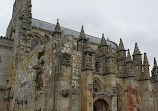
(43,21)
(70,32)
(64,27)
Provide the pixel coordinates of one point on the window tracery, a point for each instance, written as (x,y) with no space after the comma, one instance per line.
(97,86)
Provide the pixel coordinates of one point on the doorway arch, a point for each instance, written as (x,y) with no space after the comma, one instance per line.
(101,105)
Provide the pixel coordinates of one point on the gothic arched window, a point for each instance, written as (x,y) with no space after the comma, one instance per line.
(96,64)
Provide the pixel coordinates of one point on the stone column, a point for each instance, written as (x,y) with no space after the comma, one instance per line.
(87,91)
(112,80)
(114,103)
(147,101)
(76,82)
(130,94)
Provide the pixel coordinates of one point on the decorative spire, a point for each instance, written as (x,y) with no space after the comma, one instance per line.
(154,72)
(82,34)
(146,67)
(145,60)
(136,50)
(103,41)
(155,63)
(57,27)
(128,56)
(121,46)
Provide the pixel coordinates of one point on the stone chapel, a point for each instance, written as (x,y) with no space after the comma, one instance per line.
(46,67)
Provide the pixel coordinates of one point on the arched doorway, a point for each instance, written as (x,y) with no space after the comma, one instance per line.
(101,105)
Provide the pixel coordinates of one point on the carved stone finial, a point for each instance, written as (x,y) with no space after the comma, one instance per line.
(155,63)
(121,46)
(145,60)
(82,34)
(103,35)
(128,56)
(103,41)
(57,27)
(136,50)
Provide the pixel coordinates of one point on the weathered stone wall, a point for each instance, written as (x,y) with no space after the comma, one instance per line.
(24,88)
(34,84)
(5,59)
(58,73)
(57,79)
(2,99)
(5,63)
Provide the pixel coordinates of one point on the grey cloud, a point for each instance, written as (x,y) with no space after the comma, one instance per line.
(132,20)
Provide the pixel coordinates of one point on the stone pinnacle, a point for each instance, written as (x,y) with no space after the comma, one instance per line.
(155,63)
(136,50)
(145,60)
(103,41)
(57,27)
(82,34)
(121,46)
(128,56)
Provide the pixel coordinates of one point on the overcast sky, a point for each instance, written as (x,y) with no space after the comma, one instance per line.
(132,20)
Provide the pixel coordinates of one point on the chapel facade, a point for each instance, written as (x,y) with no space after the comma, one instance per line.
(46,67)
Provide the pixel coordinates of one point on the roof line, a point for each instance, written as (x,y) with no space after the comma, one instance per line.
(63,27)
(72,31)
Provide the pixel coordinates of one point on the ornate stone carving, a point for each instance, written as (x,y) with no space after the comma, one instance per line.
(65,93)
(88,61)
(66,59)
(90,87)
(113,91)
(97,86)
